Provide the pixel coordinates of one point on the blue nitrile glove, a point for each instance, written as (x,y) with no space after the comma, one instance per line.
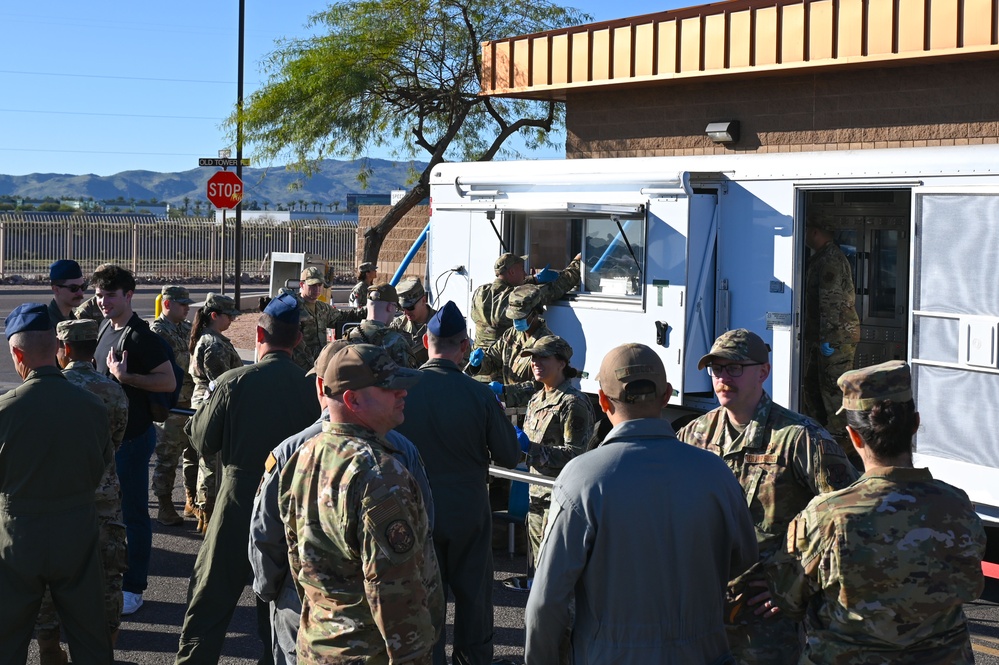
(496,387)
(547,275)
(525,443)
(475,360)
(826,349)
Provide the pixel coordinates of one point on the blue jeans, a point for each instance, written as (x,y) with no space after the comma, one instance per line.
(132,463)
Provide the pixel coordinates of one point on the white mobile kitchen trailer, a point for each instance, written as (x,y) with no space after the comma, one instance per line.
(679,249)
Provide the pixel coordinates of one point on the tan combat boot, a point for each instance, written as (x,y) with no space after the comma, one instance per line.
(167,515)
(49,650)
(190,510)
(203,517)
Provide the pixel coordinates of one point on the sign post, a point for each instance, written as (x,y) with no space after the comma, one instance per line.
(224,191)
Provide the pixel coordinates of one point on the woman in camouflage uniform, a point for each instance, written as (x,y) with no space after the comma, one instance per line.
(880,570)
(559,422)
(212,354)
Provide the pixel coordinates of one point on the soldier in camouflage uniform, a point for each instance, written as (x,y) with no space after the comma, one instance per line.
(502,363)
(172,443)
(366,275)
(416,312)
(383,305)
(559,423)
(879,570)
(782,460)
(489,303)
(212,355)
(364,565)
(77,341)
(316,317)
(832,328)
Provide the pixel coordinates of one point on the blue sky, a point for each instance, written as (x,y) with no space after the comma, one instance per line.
(103,87)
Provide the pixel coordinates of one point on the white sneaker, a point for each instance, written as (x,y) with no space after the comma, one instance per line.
(130,602)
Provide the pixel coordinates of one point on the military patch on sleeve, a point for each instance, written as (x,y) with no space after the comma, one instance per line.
(270,463)
(830,447)
(400,536)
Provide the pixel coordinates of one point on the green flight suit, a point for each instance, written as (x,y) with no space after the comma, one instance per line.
(49,471)
(252,410)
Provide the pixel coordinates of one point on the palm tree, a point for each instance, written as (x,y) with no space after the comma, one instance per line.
(197,208)
(336,205)
(265,204)
(187,204)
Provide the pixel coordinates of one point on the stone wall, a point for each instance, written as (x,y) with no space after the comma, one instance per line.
(398,242)
(950,103)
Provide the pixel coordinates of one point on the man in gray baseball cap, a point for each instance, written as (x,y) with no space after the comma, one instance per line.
(782,459)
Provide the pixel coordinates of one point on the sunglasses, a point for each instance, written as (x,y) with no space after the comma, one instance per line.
(409,308)
(73,288)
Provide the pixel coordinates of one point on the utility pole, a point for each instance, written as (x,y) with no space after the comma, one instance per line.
(238,249)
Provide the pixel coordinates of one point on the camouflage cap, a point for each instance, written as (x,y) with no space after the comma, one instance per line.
(410,291)
(360,366)
(523,300)
(506,260)
(323,359)
(864,388)
(77,330)
(625,365)
(549,345)
(176,294)
(221,304)
(367,266)
(384,292)
(312,275)
(740,345)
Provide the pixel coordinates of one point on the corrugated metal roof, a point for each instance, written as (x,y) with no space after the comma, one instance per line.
(740,37)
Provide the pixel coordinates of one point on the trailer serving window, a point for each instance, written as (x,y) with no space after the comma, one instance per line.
(612,249)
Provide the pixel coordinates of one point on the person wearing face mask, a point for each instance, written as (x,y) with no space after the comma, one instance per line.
(510,373)
(490,301)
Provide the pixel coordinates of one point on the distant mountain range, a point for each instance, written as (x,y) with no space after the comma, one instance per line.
(333,181)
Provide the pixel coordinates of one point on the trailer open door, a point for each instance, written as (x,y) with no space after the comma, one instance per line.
(955,338)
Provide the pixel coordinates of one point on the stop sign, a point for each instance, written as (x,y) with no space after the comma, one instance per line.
(225,189)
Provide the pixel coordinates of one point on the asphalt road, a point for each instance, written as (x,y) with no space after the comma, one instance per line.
(149,637)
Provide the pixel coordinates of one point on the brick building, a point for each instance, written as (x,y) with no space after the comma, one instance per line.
(798,75)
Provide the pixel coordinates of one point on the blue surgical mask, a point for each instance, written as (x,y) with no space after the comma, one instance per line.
(521,325)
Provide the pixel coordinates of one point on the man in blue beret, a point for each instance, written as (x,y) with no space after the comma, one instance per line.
(252,409)
(51,468)
(459,428)
(68,286)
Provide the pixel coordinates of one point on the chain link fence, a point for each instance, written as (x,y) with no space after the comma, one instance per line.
(187,249)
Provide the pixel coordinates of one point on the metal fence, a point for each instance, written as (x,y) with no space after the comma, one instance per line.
(189,248)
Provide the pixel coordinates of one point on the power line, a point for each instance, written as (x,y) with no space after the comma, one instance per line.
(120,78)
(113,115)
(105,152)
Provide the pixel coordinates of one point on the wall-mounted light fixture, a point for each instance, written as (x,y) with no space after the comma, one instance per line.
(723,132)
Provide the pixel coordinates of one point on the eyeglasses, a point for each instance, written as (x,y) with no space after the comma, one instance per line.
(73,288)
(409,308)
(734,370)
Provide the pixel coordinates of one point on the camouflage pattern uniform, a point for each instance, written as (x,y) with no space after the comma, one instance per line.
(171,441)
(111,537)
(213,356)
(489,303)
(314,323)
(879,571)
(361,552)
(88,309)
(504,363)
(395,342)
(416,331)
(559,423)
(830,317)
(782,460)
(358,295)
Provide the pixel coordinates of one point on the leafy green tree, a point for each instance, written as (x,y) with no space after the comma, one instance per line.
(48,206)
(356,85)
